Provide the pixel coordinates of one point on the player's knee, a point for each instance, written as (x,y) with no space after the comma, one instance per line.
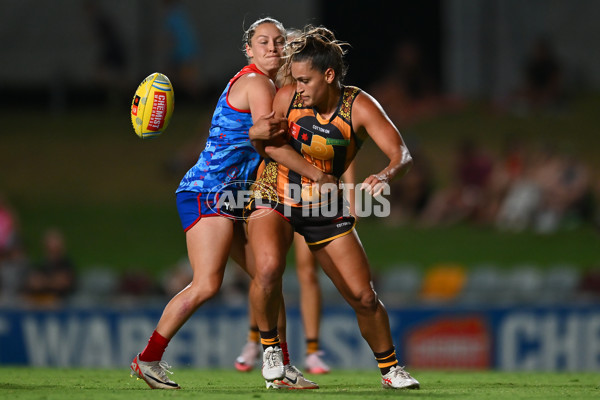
(269,271)
(366,302)
(198,293)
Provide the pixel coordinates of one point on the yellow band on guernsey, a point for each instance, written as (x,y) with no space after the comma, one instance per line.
(270,342)
(388,364)
(386,357)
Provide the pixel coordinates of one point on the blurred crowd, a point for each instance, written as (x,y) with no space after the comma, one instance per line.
(526,186)
(44,282)
(523,186)
(53,280)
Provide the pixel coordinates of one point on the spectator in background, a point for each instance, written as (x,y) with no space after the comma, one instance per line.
(553,190)
(507,174)
(543,86)
(565,188)
(407,89)
(13,260)
(14,268)
(9,225)
(111,59)
(54,278)
(182,49)
(465,199)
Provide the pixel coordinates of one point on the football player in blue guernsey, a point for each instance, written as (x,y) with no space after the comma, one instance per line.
(226,166)
(328,122)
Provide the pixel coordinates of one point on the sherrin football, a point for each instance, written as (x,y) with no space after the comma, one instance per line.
(152,106)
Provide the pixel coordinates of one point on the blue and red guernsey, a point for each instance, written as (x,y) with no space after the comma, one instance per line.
(228,156)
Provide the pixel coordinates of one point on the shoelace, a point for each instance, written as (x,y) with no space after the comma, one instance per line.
(398,370)
(161,368)
(272,359)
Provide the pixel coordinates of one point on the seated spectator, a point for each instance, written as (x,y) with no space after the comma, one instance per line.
(465,199)
(507,172)
(553,188)
(54,278)
(565,188)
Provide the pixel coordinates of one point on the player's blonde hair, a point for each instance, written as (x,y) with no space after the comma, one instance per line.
(319,46)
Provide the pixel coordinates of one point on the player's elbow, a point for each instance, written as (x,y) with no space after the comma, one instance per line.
(407,162)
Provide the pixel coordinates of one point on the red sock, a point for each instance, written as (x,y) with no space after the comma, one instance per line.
(155,348)
(286,355)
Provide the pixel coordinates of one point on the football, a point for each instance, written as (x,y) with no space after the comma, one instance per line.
(152,106)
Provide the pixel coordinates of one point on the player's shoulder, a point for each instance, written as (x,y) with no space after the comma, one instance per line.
(254,84)
(285,94)
(365,109)
(256,79)
(288,90)
(364,101)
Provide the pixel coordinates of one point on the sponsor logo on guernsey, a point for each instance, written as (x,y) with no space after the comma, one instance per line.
(337,142)
(159,111)
(321,129)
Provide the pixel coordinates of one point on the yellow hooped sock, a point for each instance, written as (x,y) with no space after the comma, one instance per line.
(312,346)
(269,338)
(253,334)
(386,360)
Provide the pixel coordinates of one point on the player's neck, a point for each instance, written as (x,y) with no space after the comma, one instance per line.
(329,106)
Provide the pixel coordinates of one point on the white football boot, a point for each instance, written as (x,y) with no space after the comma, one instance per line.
(293,379)
(398,378)
(314,364)
(154,373)
(273,363)
(249,356)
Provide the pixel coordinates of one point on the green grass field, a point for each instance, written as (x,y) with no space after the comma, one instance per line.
(65,384)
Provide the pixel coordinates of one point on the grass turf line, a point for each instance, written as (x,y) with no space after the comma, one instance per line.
(65,384)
